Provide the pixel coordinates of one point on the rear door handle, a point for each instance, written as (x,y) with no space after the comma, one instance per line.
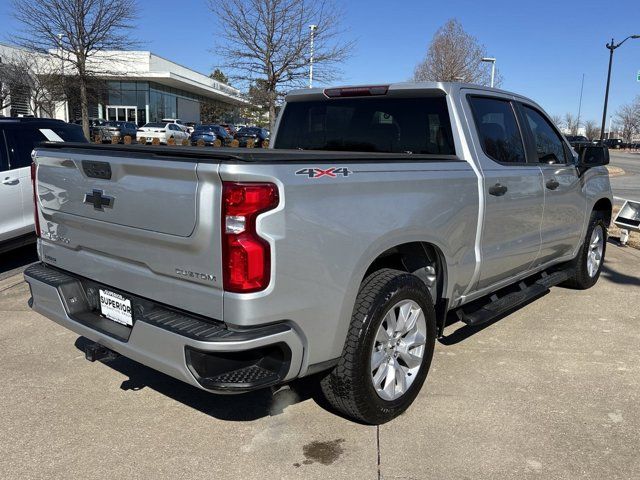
(11,181)
(498,190)
(553,184)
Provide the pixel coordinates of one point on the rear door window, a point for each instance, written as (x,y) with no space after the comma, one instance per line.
(549,144)
(374,124)
(497,129)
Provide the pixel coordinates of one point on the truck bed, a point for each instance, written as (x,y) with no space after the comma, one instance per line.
(240,155)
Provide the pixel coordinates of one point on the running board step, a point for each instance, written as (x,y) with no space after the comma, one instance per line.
(500,305)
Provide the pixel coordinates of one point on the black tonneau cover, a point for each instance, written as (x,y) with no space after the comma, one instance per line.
(239,155)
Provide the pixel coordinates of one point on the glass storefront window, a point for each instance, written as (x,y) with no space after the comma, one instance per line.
(128,85)
(162,101)
(128,98)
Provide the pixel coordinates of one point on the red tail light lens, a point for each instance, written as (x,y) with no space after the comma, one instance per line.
(34,187)
(246,256)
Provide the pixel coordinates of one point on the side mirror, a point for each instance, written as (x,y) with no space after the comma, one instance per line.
(593,156)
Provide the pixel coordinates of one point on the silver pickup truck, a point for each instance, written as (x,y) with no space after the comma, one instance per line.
(380,215)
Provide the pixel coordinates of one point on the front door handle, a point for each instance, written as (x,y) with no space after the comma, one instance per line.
(11,181)
(553,184)
(498,190)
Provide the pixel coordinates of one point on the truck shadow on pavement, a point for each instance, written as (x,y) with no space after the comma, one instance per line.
(619,278)
(240,408)
(466,331)
(14,260)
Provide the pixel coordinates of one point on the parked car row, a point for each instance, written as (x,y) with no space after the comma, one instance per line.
(207,133)
(176,129)
(580,141)
(618,143)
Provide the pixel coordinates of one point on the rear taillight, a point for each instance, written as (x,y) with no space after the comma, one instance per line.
(34,187)
(246,256)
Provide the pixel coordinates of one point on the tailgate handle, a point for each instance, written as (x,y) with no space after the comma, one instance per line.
(101,170)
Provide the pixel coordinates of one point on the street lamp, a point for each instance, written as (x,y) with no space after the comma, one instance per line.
(493,67)
(611,46)
(313,29)
(62,82)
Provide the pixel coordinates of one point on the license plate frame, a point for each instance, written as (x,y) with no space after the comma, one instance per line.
(116,307)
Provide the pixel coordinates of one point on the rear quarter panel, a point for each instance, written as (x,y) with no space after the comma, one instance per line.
(327,231)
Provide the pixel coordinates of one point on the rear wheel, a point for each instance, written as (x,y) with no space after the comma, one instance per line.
(588,263)
(388,349)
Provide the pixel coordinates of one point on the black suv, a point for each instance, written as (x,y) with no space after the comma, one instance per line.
(614,143)
(579,141)
(18,136)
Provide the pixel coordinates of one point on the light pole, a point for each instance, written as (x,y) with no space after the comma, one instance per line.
(580,106)
(491,60)
(313,29)
(62,82)
(611,46)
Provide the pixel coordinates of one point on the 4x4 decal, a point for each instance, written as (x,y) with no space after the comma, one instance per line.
(324,172)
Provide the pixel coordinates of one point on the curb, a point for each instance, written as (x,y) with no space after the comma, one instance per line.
(615,171)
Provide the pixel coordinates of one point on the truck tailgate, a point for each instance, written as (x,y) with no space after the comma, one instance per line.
(143,224)
(150,195)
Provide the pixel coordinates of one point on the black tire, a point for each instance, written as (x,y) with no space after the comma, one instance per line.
(581,279)
(349,387)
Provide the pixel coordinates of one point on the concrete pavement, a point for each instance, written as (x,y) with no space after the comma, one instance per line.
(551,391)
(627,186)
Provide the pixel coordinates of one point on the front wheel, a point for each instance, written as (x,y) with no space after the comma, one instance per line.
(388,350)
(588,263)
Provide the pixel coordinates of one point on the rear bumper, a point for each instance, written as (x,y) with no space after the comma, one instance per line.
(198,351)
(151,135)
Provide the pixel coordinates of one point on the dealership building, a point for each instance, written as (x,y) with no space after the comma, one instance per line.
(135,86)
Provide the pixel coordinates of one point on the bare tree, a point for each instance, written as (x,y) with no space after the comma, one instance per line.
(215,111)
(628,119)
(75,32)
(12,76)
(455,56)
(557,121)
(41,79)
(269,41)
(571,123)
(591,129)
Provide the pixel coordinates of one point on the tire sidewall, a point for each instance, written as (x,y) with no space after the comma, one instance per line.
(402,287)
(584,280)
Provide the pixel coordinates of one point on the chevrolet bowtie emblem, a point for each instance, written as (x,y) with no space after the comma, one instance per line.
(99,200)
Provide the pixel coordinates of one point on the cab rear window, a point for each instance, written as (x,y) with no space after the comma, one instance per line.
(381,124)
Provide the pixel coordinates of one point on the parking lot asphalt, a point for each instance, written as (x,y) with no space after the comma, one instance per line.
(550,391)
(628,185)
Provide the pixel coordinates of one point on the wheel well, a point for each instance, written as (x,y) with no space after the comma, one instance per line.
(604,207)
(422,259)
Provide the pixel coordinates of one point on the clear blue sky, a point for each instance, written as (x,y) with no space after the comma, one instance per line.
(543,47)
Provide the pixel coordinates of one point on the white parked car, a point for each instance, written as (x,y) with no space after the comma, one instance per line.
(178,122)
(18,136)
(162,131)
